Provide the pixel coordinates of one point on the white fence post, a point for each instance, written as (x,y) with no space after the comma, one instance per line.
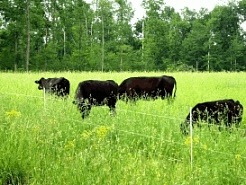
(191,140)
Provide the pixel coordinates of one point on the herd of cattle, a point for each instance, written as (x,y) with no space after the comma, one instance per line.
(97,92)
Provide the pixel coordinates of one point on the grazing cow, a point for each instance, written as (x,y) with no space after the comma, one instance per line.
(148,87)
(95,92)
(58,86)
(225,111)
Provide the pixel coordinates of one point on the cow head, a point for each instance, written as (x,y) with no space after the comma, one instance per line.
(41,83)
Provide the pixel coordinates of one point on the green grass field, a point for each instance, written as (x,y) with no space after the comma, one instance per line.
(45,141)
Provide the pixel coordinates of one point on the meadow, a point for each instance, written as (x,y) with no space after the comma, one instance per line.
(45,141)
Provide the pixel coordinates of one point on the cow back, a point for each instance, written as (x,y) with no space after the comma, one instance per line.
(225,111)
(227,108)
(96,89)
(139,86)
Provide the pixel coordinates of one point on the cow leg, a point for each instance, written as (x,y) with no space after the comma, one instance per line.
(86,111)
(132,97)
(111,105)
(220,120)
(170,100)
(112,111)
(163,94)
(229,119)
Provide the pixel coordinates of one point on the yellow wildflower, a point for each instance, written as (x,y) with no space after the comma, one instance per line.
(35,129)
(102,131)
(195,140)
(70,145)
(12,114)
(238,157)
(86,134)
(187,140)
(205,147)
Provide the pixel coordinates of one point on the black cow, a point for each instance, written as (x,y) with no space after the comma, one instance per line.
(95,92)
(58,86)
(225,111)
(148,87)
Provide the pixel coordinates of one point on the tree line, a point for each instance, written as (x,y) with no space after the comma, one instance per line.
(75,35)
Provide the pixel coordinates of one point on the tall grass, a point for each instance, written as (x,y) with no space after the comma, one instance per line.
(47,142)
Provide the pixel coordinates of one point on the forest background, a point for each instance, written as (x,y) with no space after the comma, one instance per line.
(57,35)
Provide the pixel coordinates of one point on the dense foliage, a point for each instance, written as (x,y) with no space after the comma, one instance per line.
(76,35)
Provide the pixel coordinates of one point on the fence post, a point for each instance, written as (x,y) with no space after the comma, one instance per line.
(191,140)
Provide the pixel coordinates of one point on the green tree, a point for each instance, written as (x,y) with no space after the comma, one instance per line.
(224,24)
(103,26)
(75,35)
(194,50)
(174,37)
(81,36)
(155,36)
(13,13)
(122,35)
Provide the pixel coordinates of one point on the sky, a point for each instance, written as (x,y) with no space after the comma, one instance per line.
(177,5)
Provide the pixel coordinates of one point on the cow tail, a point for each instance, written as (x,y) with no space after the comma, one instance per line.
(174,93)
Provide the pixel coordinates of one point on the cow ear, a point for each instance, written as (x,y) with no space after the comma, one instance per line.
(37,81)
(41,80)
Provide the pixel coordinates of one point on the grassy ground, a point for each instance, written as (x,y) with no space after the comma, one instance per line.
(45,141)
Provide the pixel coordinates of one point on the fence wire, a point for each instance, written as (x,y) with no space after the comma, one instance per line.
(192,146)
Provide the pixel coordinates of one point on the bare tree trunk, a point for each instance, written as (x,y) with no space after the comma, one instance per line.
(64,41)
(91,33)
(53,16)
(46,42)
(121,61)
(28,34)
(235,64)
(80,41)
(143,32)
(16,52)
(86,26)
(102,59)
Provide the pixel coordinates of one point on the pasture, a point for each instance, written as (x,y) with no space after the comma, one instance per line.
(45,141)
